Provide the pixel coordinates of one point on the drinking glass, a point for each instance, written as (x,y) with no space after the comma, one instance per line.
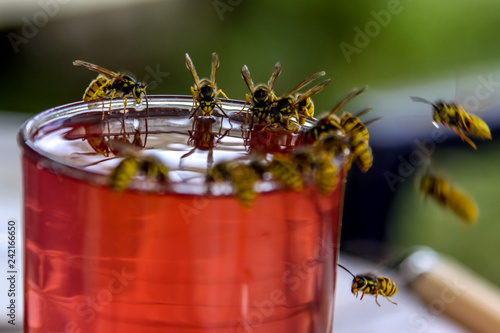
(182,255)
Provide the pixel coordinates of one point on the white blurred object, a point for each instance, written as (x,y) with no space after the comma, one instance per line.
(10,209)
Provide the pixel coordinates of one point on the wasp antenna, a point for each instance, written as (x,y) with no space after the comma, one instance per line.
(362,112)
(194,112)
(421,100)
(366,123)
(348,271)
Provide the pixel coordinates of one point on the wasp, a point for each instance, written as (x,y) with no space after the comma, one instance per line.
(111,84)
(314,161)
(262,96)
(243,177)
(326,176)
(458,120)
(286,106)
(447,195)
(331,122)
(348,126)
(203,138)
(369,283)
(305,105)
(284,169)
(205,91)
(134,164)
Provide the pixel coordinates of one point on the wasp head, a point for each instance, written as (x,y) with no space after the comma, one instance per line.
(358,284)
(139,91)
(261,95)
(207,90)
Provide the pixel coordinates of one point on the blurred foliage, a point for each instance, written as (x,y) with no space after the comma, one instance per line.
(419,41)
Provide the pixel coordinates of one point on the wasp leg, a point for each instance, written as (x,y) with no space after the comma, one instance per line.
(222,93)
(186,155)
(247,101)
(111,101)
(193,92)
(103,112)
(465,138)
(376,299)
(390,300)
(125,135)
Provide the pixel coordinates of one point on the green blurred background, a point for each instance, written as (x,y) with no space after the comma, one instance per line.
(405,47)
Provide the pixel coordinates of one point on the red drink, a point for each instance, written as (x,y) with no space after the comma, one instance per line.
(171,261)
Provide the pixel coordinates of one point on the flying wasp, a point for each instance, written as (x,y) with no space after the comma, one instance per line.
(111,84)
(205,91)
(287,105)
(447,195)
(458,120)
(374,285)
(262,96)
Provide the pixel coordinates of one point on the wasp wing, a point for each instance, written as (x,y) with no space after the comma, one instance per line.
(306,82)
(98,69)
(215,66)
(245,73)
(346,100)
(274,76)
(192,69)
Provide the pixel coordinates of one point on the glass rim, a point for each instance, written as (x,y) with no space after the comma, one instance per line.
(26,142)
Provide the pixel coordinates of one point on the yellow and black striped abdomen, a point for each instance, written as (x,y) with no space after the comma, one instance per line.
(477,127)
(306,110)
(361,152)
(354,125)
(98,89)
(123,173)
(447,195)
(386,286)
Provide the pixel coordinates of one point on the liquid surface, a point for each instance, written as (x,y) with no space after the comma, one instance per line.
(136,261)
(187,146)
